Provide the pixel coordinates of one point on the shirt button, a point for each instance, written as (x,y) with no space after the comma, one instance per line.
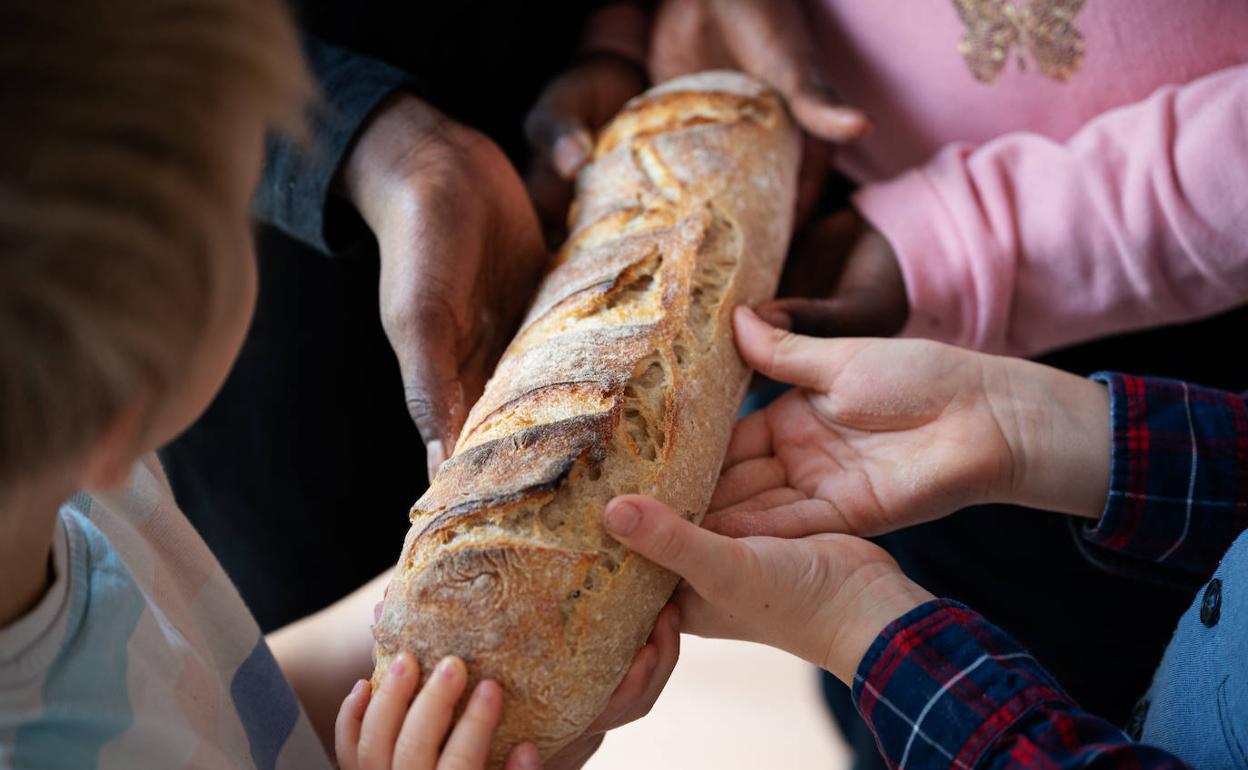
(1211,603)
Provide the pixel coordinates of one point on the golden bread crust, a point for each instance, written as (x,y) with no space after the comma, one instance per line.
(623,379)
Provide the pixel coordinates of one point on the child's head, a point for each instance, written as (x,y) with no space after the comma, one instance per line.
(130,140)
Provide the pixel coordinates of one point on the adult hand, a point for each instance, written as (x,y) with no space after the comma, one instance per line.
(823,598)
(769,39)
(841,279)
(883,434)
(561,125)
(634,697)
(461,252)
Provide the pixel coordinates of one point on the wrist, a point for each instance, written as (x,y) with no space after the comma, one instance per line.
(874,599)
(1058,430)
(403,136)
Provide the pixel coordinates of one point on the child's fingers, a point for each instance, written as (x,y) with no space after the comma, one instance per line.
(469,743)
(751,438)
(760,503)
(385,713)
(666,639)
(787,357)
(789,519)
(628,692)
(524,757)
(430,715)
(746,480)
(347,726)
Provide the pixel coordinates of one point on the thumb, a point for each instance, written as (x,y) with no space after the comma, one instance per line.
(431,384)
(818,112)
(772,41)
(556,130)
(707,561)
(786,357)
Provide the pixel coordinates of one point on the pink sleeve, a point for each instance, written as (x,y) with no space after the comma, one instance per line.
(1026,244)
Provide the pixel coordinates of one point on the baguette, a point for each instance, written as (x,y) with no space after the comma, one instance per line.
(623,378)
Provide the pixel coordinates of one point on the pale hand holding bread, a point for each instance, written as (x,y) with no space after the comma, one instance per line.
(623,379)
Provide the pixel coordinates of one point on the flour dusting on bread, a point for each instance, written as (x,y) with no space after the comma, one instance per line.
(623,379)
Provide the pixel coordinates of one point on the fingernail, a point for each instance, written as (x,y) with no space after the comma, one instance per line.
(377,612)
(621,518)
(674,619)
(359,688)
(400,667)
(446,668)
(850,119)
(652,660)
(569,152)
(529,758)
(843,114)
(488,691)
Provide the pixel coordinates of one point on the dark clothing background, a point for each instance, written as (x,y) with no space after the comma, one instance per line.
(301,473)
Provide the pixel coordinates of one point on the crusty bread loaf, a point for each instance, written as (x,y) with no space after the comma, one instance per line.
(624,378)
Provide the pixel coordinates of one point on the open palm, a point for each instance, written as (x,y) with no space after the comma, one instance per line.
(880,434)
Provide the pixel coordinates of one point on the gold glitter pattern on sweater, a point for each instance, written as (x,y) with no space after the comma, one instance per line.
(1043,28)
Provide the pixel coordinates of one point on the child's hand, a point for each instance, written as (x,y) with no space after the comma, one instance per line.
(372,731)
(824,598)
(883,434)
(388,729)
(634,697)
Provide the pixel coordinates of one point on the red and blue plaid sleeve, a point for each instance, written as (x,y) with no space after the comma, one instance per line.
(941,687)
(1178,493)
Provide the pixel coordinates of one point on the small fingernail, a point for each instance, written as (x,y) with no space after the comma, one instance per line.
(844,114)
(621,518)
(400,667)
(377,612)
(359,688)
(673,620)
(569,152)
(529,758)
(652,660)
(851,120)
(446,667)
(488,691)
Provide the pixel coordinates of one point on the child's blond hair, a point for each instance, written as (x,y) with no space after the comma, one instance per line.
(110,179)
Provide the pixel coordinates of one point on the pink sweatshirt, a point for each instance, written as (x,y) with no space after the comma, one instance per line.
(1030,212)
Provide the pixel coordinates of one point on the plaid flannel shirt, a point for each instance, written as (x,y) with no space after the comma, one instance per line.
(943,687)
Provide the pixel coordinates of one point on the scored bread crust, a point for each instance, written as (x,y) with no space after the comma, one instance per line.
(624,378)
